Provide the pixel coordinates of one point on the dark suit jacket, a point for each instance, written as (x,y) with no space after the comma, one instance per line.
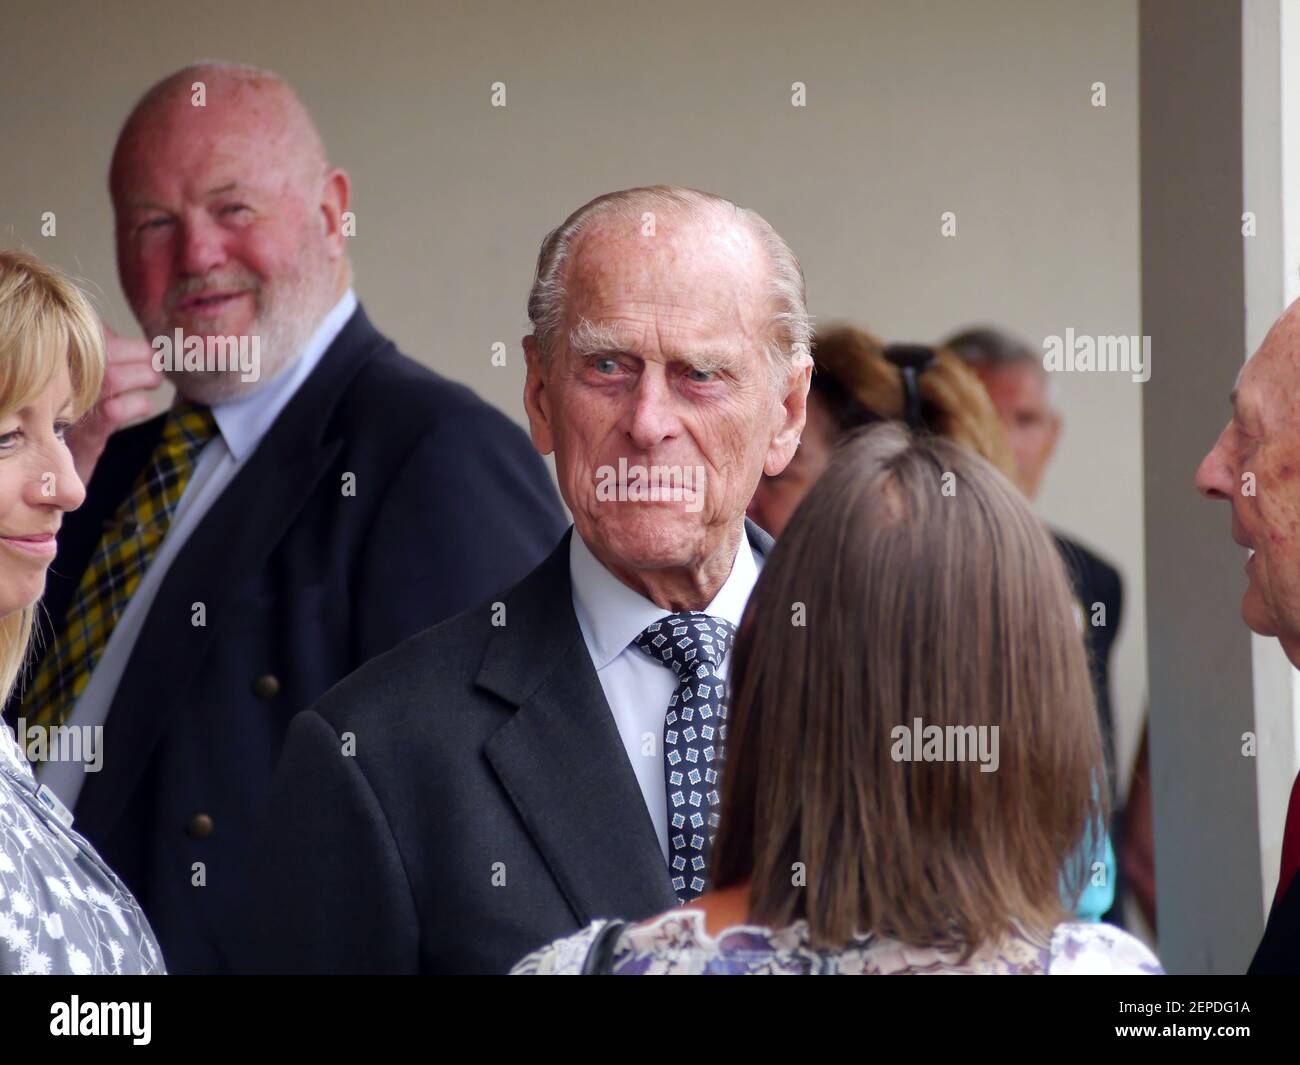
(1097,581)
(489,808)
(1279,951)
(302,584)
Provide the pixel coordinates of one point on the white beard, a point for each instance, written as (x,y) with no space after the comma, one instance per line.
(284,328)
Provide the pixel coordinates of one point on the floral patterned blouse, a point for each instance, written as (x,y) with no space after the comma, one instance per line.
(62,910)
(677,943)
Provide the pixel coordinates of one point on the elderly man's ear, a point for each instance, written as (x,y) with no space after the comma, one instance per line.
(790,413)
(536,401)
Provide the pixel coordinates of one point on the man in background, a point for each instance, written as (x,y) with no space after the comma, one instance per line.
(290,517)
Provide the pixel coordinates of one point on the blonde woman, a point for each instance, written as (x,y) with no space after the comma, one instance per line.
(62,910)
(849,842)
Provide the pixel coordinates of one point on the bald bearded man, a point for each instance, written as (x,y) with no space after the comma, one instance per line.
(288,519)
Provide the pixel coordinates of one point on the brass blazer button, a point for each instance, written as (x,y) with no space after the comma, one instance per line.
(267,687)
(199,826)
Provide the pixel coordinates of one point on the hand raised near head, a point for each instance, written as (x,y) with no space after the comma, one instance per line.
(124,397)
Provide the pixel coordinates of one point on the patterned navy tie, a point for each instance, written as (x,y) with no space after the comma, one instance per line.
(692,645)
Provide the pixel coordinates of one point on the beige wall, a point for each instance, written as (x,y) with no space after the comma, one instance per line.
(913,109)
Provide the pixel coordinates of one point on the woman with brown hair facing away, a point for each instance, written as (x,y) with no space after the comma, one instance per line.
(913,748)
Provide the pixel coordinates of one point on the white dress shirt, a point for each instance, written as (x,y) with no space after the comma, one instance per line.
(241,424)
(611,615)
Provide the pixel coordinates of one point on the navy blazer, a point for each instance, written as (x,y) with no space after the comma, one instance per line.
(1278,953)
(1095,581)
(302,584)
(487,805)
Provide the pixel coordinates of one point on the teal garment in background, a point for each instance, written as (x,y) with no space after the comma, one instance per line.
(1099,891)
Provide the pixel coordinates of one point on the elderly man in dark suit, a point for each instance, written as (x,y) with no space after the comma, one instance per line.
(291,516)
(553,756)
(1261,444)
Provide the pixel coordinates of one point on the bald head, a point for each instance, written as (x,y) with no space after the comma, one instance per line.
(258,101)
(229,217)
(1282,342)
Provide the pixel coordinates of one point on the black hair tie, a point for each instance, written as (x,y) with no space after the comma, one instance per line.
(911,360)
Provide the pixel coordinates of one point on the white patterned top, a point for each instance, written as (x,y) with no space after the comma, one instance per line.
(677,943)
(62,910)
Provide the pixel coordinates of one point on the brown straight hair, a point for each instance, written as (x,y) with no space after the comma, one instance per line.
(922,596)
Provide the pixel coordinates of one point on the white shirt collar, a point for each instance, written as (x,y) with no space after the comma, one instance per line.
(611,615)
(243,421)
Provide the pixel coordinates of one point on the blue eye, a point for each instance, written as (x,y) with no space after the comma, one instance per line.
(606,361)
(701,376)
(8,441)
(61,429)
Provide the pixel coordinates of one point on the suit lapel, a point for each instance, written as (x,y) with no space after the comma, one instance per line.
(230,545)
(560,757)
(758,539)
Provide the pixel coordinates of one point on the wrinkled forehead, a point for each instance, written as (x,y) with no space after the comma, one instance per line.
(704,274)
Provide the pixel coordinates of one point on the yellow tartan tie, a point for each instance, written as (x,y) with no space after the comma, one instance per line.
(117,566)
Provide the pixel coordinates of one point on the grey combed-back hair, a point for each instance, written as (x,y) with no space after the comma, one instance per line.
(791,326)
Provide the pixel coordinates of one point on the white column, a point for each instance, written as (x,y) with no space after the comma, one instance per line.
(1209,863)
